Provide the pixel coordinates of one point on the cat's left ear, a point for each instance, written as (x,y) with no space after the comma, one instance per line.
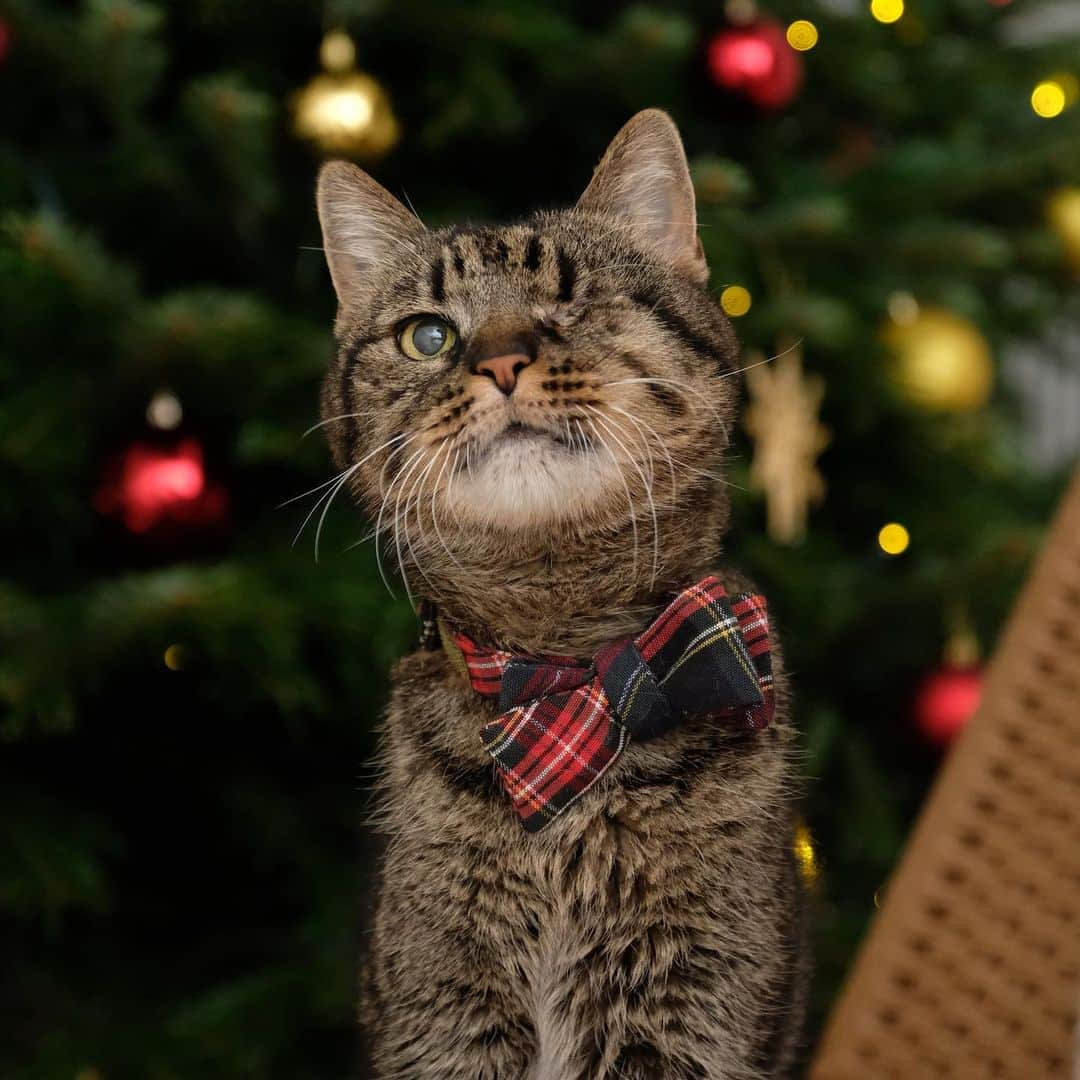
(362,225)
(643,180)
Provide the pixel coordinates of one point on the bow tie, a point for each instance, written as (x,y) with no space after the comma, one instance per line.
(564,722)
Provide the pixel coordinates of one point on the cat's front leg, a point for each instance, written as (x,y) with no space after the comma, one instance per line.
(442,1005)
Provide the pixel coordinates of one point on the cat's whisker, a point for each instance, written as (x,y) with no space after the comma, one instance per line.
(412,505)
(319,487)
(409,204)
(646,431)
(386,489)
(400,482)
(684,466)
(330,485)
(434,507)
(455,471)
(686,388)
(626,488)
(333,480)
(767,360)
(610,428)
(326,506)
(330,420)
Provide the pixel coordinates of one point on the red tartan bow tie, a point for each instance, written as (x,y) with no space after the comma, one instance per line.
(565,721)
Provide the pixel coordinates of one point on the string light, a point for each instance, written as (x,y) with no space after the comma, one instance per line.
(893,538)
(805,855)
(164,411)
(735,300)
(802,35)
(1048,99)
(175,657)
(887,11)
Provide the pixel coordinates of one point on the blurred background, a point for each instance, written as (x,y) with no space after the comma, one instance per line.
(889,196)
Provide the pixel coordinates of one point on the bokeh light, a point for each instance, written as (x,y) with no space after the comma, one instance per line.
(735,300)
(887,11)
(802,35)
(1048,99)
(175,657)
(164,411)
(805,855)
(337,51)
(893,538)
(903,308)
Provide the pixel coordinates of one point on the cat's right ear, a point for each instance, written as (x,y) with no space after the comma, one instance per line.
(362,223)
(643,179)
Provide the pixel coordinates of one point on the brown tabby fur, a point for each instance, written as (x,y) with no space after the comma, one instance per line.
(654,930)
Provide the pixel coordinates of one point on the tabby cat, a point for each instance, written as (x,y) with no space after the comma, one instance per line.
(533,415)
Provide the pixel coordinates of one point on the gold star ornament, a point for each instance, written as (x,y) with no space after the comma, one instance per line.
(782,419)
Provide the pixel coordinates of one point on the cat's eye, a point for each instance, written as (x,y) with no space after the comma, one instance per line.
(425,337)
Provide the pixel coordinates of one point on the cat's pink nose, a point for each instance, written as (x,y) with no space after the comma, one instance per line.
(504,369)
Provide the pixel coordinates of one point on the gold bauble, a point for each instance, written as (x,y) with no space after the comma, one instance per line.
(1063,214)
(346,113)
(941,361)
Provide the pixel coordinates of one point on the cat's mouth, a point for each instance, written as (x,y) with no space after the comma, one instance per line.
(525,475)
(518,431)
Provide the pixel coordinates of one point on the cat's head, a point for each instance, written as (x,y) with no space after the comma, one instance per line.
(563,376)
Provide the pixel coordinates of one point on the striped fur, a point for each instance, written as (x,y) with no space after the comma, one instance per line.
(653,930)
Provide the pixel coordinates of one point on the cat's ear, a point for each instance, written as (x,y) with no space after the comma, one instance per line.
(643,179)
(361,224)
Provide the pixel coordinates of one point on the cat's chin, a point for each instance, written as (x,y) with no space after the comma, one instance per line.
(527,479)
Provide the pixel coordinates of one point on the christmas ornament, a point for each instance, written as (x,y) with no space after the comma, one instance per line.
(946,701)
(148,485)
(782,419)
(948,697)
(941,361)
(343,110)
(1063,215)
(757,62)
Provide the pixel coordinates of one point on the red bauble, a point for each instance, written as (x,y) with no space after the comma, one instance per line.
(149,485)
(946,701)
(756,61)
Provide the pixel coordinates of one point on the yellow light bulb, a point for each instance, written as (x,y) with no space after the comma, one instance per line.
(802,35)
(805,855)
(1048,99)
(887,11)
(893,538)
(735,300)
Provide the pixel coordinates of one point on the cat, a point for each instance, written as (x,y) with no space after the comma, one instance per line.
(533,415)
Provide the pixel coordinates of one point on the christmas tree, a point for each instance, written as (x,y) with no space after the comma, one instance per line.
(889,198)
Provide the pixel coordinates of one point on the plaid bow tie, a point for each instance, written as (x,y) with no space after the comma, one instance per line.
(565,722)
